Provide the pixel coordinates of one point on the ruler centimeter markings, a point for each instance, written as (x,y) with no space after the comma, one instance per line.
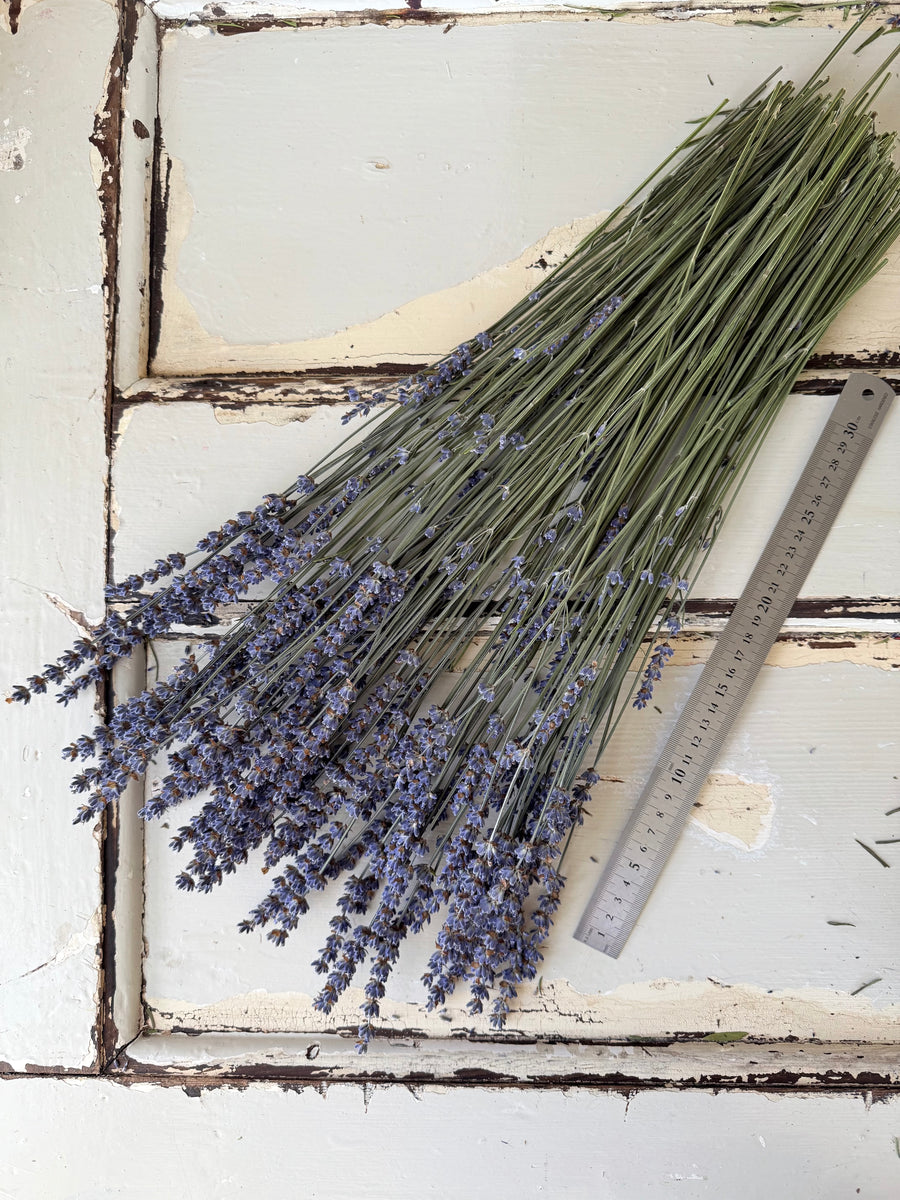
(681,770)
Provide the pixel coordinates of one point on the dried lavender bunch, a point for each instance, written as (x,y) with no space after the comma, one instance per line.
(549,487)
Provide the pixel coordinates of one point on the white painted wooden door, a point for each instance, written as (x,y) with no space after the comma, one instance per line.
(276,206)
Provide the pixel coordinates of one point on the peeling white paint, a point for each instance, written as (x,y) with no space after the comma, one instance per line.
(422,328)
(12,149)
(266,272)
(640,12)
(648,1009)
(135,186)
(735,811)
(85,938)
(25,5)
(832,646)
(77,618)
(272,414)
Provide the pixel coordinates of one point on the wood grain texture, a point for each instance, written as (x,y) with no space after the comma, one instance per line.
(315,178)
(53,477)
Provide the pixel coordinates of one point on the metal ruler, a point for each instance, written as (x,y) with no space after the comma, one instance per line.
(666,802)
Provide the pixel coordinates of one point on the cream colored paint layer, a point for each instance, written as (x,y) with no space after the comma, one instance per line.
(272,414)
(735,810)
(829,646)
(423,328)
(553,1008)
(332,1057)
(418,195)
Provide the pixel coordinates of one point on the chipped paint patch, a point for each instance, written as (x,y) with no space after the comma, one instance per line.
(87,937)
(649,1009)
(184,342)
(11,19)
(230,17)
(12,148)
(735,811)
(273,414)
(78,618)
(861,649)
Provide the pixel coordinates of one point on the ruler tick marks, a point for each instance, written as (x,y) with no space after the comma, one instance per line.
(690,753)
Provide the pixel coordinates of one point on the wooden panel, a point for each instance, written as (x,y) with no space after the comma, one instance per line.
(218,457)
(342,1143)
(736,935)
(751,890)
(136,168)
(365,194)
(236,16)
(53,476)
(411,1059)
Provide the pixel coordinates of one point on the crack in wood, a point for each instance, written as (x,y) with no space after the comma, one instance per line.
(217,19)
(159,203)
(319,386)
(876,1086)
(107,140)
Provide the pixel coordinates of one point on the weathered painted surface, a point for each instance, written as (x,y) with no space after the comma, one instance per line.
(736,936)
(744,902)
(138,127)
(365,194)
(81,1139)
(250,13)
(126,918)
(624,1065)
(774,916)
(53,476)
(215,460)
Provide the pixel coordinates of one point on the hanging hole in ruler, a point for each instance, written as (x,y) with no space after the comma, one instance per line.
(867,393)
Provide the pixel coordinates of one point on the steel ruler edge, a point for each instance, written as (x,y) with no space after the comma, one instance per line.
(665,804)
